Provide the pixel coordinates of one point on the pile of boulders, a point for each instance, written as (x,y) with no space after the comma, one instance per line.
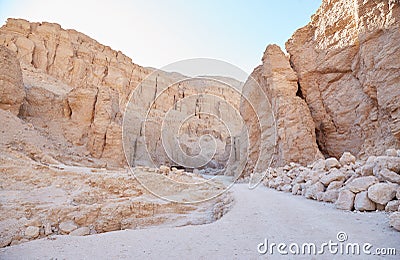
(368,185)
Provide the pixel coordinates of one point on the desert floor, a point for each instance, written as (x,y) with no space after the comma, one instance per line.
(257,214)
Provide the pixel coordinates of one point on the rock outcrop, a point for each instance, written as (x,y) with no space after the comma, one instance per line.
(77,89)
(11,85)
(74,79)
(284,128)
(347,63)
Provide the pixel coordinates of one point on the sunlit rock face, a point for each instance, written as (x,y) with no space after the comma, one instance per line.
(347,63)
(281,127)
(79,87)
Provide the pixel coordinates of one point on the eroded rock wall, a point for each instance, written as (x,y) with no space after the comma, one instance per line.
(11,85)
(88,88)
(285,126)
(347,62)
(80,87)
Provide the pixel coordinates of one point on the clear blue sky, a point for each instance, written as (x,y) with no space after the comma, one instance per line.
(156,33)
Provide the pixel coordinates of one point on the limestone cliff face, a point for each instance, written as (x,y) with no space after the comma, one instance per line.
(11,86)
(72,78)
(81,87)
(347,61)
(286,129)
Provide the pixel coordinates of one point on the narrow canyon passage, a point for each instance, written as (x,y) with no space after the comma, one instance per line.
(257,214)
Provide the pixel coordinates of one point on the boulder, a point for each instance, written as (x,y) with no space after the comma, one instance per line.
(286,188)
(368,167)
(318,165)
(345,200)
(386,162)
(335,185)
(347,159)
(32,232)
(330,195)
(388,175)
(332,163)
(363,203)
(82,231)
(67,227)
(392,206)
(382,193)
(391,152)
(332,175)
(361,183)
(394,220)
(47,229)
(296,188)
(313,190)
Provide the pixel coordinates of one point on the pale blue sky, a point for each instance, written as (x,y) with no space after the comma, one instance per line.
(156,33)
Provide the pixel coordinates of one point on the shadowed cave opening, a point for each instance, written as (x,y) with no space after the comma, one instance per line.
(299,93)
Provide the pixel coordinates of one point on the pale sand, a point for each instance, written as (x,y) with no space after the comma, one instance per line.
(256,214)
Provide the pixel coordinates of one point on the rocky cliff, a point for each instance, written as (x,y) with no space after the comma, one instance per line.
(347,62)
(77,90)
(337,91)
(284,124)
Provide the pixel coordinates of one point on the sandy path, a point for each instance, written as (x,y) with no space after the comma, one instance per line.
(257,214)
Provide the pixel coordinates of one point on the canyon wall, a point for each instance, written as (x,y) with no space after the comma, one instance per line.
(77,90)
(74,81)
(285,126)
(347,61)
(336,91)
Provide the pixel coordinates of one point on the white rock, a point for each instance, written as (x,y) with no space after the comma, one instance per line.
(391,152)
(319,165)
(382,193)
(320,195)
(286,188)
(332,163)
(392,206)
(347,159)
(313,190)
(386,162)
(47,229)
(388,175)
(394,220)
(335,185)
(332,175)
(67,227)
(361,183)
(296,187)
(363,203)
(32,232)
(330,195)
(82,231)
(345,200)
(5,240)
(368,167)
